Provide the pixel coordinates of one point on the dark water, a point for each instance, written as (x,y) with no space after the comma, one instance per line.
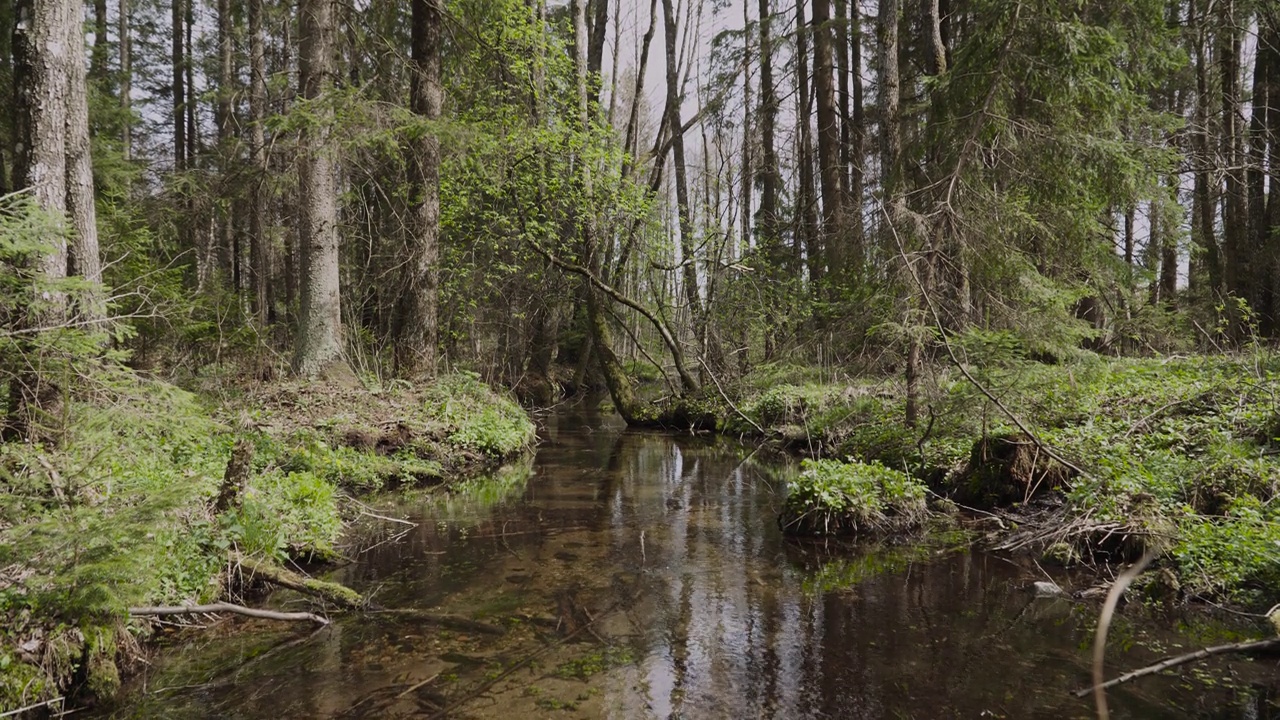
(643,576)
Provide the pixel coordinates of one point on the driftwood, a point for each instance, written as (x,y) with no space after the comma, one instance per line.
(166,610)
(1242,647)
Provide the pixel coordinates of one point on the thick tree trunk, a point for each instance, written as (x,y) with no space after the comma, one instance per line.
(261,258)
(857,140)
(42,59)
(829,150)
(84,259)
(318,347)
(416,348)
(1235,209)
(619,384)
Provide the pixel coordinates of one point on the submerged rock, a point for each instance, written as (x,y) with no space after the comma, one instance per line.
(1047,589)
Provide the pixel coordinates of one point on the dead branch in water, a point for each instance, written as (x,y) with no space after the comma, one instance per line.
(1104,624)
(1241,647)
(167,610)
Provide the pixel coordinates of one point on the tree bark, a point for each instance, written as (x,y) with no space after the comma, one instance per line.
(42,57)
(84,259)
(418,335)
(829,150)
(318,347)
(769,178)
(224,118)
(101,51)
(806,199)
(1234,210)
(126,80)
(620,389)
(261,258)
(178,89)
(689,267)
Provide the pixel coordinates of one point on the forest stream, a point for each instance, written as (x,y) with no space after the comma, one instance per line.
(643,575)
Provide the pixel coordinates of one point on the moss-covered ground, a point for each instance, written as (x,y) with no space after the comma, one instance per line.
(1177,456)
(122,512)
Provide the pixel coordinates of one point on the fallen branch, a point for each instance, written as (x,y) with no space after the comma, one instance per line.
(1241,647)
(340,595)
(37,706)
(167,610)
(1104,624)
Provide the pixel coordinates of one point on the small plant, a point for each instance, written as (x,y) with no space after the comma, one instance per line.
(835,498)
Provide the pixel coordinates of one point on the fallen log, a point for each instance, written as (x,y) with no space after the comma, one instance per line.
(167,610)
(1241,647)
(340,595)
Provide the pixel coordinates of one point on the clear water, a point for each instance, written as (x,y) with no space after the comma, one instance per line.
(643,576)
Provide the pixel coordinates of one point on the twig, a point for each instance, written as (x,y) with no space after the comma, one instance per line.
(1241,647)
(166,610)
(726,397)
(415,686)
(37,706)
(388,519)
(1104,624)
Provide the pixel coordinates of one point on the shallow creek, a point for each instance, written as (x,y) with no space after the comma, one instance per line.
(643,575)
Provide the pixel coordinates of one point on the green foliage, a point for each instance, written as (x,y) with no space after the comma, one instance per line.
(285,514)
(831,497)
(477,417)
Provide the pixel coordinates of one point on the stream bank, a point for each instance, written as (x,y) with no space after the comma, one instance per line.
(140,506)
(643,575)
(1176,456)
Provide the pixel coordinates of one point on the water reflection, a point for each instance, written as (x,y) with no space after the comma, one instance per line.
(644,576)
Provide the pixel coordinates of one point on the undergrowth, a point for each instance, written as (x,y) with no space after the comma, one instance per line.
(120,512)
(1180,453)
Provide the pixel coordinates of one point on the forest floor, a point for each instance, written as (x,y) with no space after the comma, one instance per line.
(1090,461)
(142,504)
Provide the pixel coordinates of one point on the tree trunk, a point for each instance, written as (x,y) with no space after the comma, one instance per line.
(318,347)
(84,259)
(806,199)
(98,69)
(226,134)
(829,166)
(42,58)
(1205,187)
(261,259)
(767,222)
(891,169)
(857,140)
(126,80)
(418,337)
(1234,210)
(619,384)
(688,253)
(179,93)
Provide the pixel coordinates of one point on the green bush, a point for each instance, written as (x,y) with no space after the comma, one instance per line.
(832,498)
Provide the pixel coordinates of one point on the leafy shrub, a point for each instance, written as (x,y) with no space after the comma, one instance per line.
(830,497)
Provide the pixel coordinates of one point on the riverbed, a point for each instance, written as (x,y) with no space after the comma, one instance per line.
(643,575)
